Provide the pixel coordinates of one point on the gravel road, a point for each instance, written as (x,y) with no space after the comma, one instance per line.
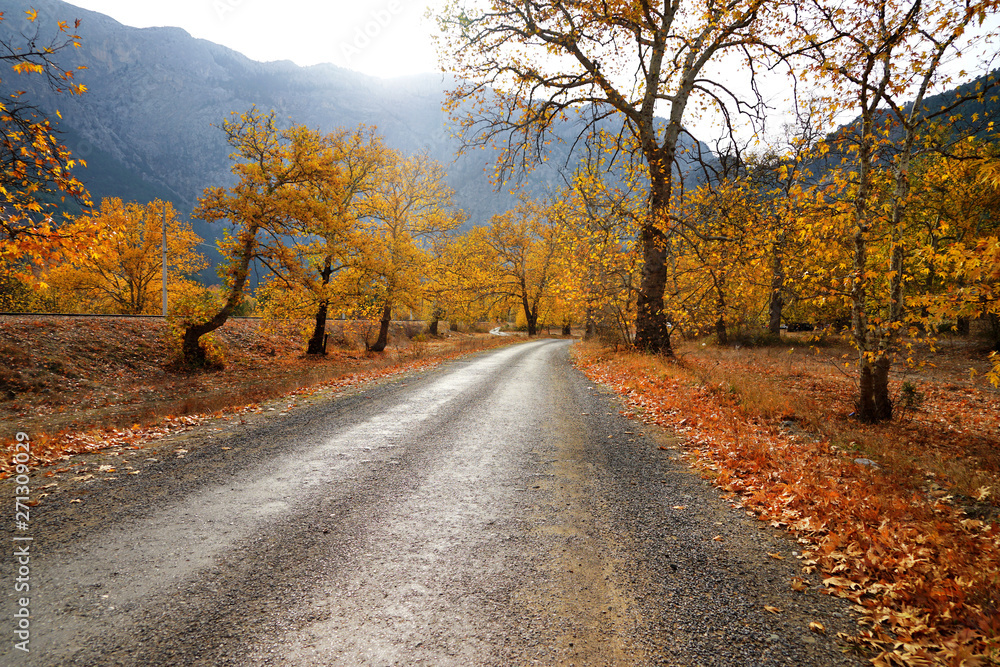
(494,511)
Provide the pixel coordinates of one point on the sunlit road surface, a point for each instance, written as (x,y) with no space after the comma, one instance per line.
(496,511)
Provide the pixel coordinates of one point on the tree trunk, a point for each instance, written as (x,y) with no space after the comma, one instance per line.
(567,329)
(774,314)
(191,349)
(860,329)
(720,331)
(652,335)
(383,331)
(530,314)
(881,403)
(865,406)
(532,319)
(591,328)
(436,315)
(316,345)
(874,404)
(880,389)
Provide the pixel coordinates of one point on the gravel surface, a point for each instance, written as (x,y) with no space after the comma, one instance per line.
(494,511)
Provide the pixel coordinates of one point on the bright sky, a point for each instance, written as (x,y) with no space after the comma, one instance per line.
(383,38)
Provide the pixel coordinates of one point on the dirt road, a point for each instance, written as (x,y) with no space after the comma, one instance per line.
(494,511)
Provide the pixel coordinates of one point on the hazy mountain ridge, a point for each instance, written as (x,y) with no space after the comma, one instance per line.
(148,125)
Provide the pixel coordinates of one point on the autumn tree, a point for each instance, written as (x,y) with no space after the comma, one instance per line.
(35,167)
(514,258)
(744,231)
(273,198)
(409,211)
(526,64)
(959,203)
(953,203)
(782,184)
(874,56)
(524,249)
(331,238)
(718,252)
(123,273)
(976,268)
(595,268)
(455,276)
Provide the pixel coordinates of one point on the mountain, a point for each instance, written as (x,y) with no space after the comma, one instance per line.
(956,111)
(973,117)
(149,124)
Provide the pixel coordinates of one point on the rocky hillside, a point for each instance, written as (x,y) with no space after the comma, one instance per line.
(148,127)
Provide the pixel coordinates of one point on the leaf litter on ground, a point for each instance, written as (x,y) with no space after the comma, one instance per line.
(922,573)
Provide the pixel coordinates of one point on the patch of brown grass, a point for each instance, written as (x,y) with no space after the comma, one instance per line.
(950,439)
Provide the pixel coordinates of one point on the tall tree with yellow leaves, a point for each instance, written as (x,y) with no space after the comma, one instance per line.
(273,199)
(960,211)
(874,56)
(334,239)
(595,267)
(522,244)
(522,65)
(123,273)
(407,214)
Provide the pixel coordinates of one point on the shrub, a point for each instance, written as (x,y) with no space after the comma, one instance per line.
(909,397)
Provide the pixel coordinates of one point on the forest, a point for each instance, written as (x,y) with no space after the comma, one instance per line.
(870,220)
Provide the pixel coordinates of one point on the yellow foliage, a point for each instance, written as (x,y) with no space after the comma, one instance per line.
(122,271)
(35,168)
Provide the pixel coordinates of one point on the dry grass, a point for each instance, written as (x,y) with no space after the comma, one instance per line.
(946,436)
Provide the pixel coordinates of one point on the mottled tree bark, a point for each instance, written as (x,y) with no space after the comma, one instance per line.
(652,334)
(317,343)
(191,349)
(383,331)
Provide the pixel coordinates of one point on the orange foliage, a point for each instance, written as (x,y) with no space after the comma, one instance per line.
(925,577)
(35,168)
